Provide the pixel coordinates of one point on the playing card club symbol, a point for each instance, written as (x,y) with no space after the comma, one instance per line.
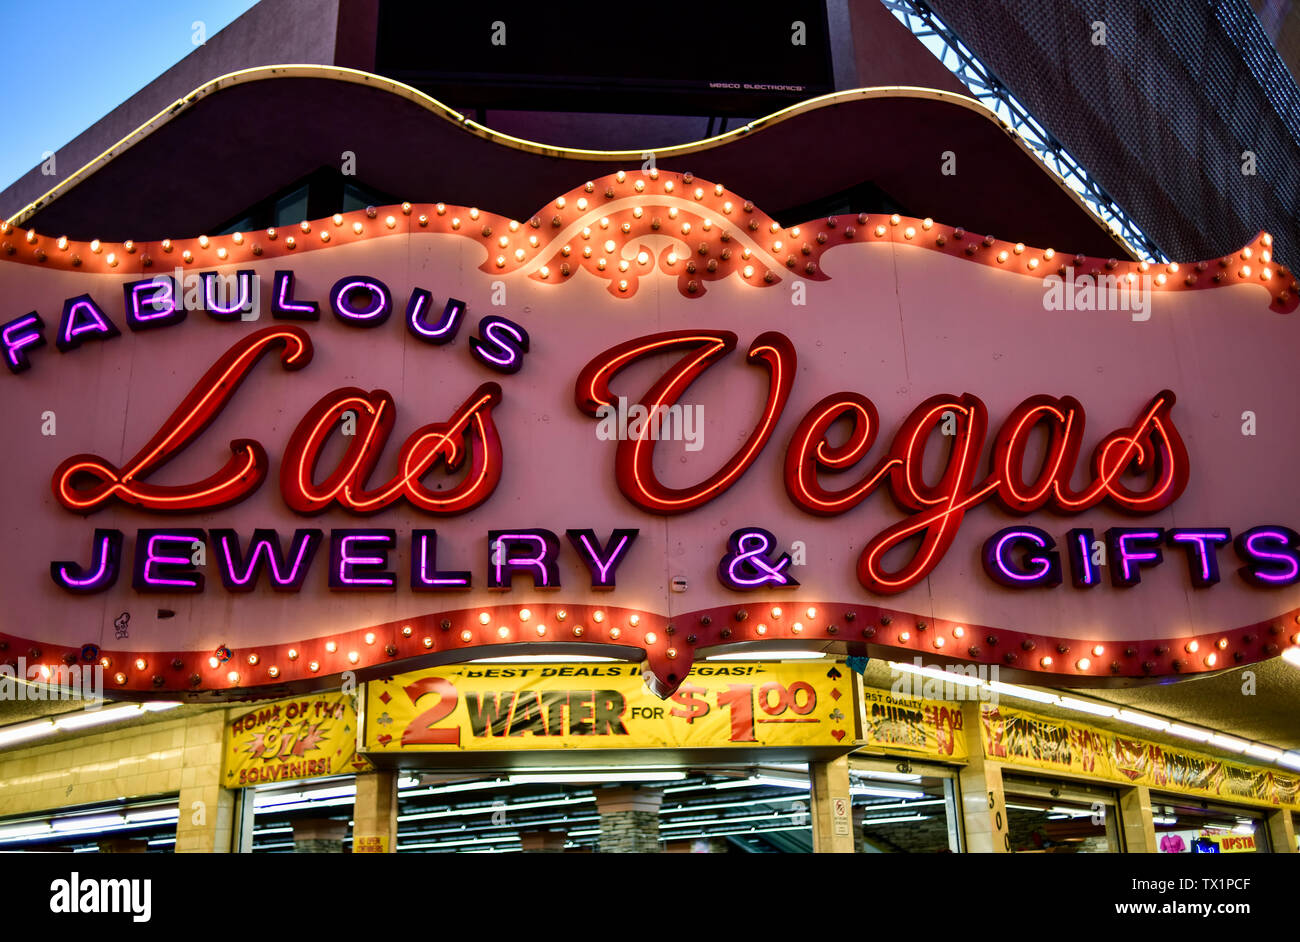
(836,715)
(383,719)
(834,673)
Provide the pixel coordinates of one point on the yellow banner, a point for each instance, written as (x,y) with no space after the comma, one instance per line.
(607,706)
(1047,743)
(303,737)
(930,728)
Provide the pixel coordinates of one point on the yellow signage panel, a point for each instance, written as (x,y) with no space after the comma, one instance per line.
(469,708)
(930,728)
(311,736)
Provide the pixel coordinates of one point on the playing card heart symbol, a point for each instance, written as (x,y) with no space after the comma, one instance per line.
(834,673)
(838,734)
(385,739)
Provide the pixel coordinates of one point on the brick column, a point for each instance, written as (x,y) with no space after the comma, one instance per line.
(1281,831)
(319,836)
(374,813)
(206,810)
(1136,820)
(983,806)
(832,810)
(629,820)
(542,842)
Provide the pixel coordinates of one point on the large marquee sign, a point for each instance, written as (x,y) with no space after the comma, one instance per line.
(649,421)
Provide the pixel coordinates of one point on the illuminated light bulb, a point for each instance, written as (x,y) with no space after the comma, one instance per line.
(273,671)
(541,630)
(514,225)
(797,627)
(1223,644)
(609,245)
(503,242)
(338,219)
(708,224)
(746,253)
(253,659)
(1245,271)
(726,207)
(776,246)
(1173,267)
(1098,650)
(290,242)
(501,261)
(1265,257)
(560,203)
(600,263)
(699,194)
(94,243)
(525,614)
(614,633)
(314,666)
(749,271)
(1132,278)
(473,212)
(233,677)
(650,637)
(582,203)
(622,286)
(620,176)
(895,219)
(1083,663)
(503,632)
(1192,647)
(672,213)
(455,222)
(598,617)
(577,631)
(1161,278)
(189,256)
(293,654)
(561,614)
(532,240)
(104,662)
(63,242)
(1046,661)
(370,637)
(1211,659)
(428,642)
(120,677)
(1246,253)
(140,664)
(1265,274)
(353,657)
(484,618)
(760,629)
(671,652)
(880,231)
(270,234)
(112,259)
(305,226)
(904,636)
(776,611)
(1033,263)
(390,222)
(639,185)
(222,253)
(545,272)
(642,258)
(466,636)
(31,238)
(686,228)
(331,646)
(519,255)
(1002,256)
(637,213)
(938,642)
(406,631)
(811,612)
(909,232)
(1144,266)
(213,663)
(634,620)
(668,186)
(1049,254)
(1019,248)
(586,251)
(441,209)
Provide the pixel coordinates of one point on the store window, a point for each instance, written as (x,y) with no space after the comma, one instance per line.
(1046,815)
(1187,826)
(904,807)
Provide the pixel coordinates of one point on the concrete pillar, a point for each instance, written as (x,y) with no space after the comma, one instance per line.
(374,813)
(206,810)
(983,806)
(629,820)
(859,815)
(1137,821)
(832,816)
(1281,831)
(542,842)
(319,836)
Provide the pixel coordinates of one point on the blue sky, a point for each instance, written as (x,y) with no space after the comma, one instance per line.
(73,61)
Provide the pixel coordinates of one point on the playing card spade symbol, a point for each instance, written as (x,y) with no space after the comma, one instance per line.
(834,673)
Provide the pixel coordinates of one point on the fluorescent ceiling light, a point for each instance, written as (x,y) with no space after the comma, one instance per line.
(1022,693)
(1289,759)
(547,659)
(911,777)
(92,822)
(1260,751)
(151,814)
(1194,733)
(882,792)
(908,817)
(1088,706)
(18,831)
(580,777)
(85,718)
(20,732)
(1230,743)
(755,780)
(1141,719)
(769,656)
(938,673)
(1292,655)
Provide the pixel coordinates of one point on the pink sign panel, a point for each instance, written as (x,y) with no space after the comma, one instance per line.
(650,422)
